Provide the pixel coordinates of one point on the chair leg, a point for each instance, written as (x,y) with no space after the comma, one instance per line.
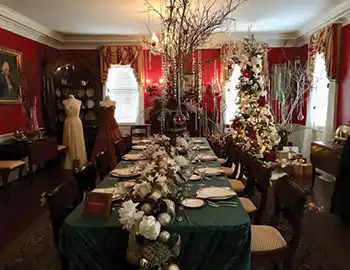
(287,264)
(5,176)
(64,263)
(20,171)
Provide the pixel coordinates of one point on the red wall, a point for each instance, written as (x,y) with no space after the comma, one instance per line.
(11,115)
(153,72)
(343,112)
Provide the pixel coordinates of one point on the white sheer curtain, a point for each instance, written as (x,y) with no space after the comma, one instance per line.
(320,109)
(231,94)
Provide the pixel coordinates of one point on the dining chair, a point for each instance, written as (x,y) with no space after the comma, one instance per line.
(85,177)
(128,142)
(258,180)
(268,244)
(61,202)
(102,164)
(120,149)
(41,151)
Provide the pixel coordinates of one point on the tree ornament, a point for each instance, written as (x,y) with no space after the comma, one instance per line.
(147,208)
(164,236)
(164,219)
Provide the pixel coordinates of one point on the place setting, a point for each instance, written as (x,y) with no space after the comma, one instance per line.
(133,157)
(125,172)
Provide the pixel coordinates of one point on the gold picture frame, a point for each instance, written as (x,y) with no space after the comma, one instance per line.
(10,87)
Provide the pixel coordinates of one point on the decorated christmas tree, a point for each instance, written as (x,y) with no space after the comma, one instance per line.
(253,125)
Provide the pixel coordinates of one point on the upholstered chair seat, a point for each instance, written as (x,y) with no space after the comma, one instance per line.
(11,164)
(236,185)
(266,238)
(248,205)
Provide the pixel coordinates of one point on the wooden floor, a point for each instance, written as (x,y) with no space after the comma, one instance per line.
(20,202)
(20,207)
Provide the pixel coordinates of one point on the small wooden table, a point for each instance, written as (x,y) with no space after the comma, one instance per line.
(325,156)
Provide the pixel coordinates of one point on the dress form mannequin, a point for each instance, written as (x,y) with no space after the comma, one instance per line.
(107,102)
(73,134)
(108,132)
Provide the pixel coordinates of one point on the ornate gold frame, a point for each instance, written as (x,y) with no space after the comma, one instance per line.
(19,62)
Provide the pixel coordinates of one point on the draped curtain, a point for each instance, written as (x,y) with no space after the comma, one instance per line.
(326,41)
(121,55)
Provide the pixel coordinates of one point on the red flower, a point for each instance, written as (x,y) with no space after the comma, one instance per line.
(252,134)
(262,101)
(268,116)
(235,123)
(247,74)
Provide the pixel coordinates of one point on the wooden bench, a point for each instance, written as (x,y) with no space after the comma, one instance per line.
(6,166)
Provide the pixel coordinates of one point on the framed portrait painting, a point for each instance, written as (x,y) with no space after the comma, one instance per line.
(10,89)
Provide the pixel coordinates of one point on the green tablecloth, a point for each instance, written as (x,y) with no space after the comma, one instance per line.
(212,238)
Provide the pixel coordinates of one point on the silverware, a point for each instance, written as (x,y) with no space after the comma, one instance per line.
(218,204)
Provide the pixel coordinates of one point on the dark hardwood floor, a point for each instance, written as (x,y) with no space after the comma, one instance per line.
(20,202)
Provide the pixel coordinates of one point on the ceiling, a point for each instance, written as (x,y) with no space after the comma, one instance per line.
(126,17)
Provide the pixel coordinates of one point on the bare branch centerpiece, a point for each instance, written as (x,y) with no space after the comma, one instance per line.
(290,85)
(185,26)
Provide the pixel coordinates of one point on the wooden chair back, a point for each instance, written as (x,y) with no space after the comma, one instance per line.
(85,177)
(128,142)
(259,178)
(61,202)
(290,199)
(139,131)
(40,151)
(120,149)
(102,164)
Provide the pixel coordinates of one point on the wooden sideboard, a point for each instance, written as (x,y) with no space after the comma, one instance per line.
(326,157)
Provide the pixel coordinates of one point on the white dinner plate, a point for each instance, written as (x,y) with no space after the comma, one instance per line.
(133,157)
(124,172)
(208,157)
(193,203)
(215,193)
(139,147)
(195,177)
(198,141)
(212,171)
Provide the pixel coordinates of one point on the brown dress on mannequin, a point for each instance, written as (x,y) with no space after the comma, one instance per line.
(108,133)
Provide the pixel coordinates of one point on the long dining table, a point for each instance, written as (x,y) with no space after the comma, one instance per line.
(212,238)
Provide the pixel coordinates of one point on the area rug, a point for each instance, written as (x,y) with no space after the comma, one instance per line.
(35,249)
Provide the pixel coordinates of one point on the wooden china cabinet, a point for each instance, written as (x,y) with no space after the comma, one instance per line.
(62,79)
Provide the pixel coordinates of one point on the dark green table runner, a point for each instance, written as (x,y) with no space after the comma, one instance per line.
(212,238)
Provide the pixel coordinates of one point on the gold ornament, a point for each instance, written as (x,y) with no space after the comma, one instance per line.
(164,219)
(164,236)
(173,266)
(147,208)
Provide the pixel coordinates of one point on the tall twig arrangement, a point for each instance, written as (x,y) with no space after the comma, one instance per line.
(291,87)
(186,26)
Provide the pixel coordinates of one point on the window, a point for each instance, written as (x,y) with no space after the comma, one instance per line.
(122,87)
(231,94)
(319,94)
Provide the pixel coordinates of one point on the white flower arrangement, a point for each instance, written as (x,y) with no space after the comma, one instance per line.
(149,228)
(142,189)
(130,217)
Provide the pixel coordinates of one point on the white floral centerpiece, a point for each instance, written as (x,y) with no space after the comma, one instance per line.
(150,208)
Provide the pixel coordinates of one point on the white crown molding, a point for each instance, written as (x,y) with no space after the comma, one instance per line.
(12,21)
(21,25)
(339,14)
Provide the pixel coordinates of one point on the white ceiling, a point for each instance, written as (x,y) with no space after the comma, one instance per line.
(126,17)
